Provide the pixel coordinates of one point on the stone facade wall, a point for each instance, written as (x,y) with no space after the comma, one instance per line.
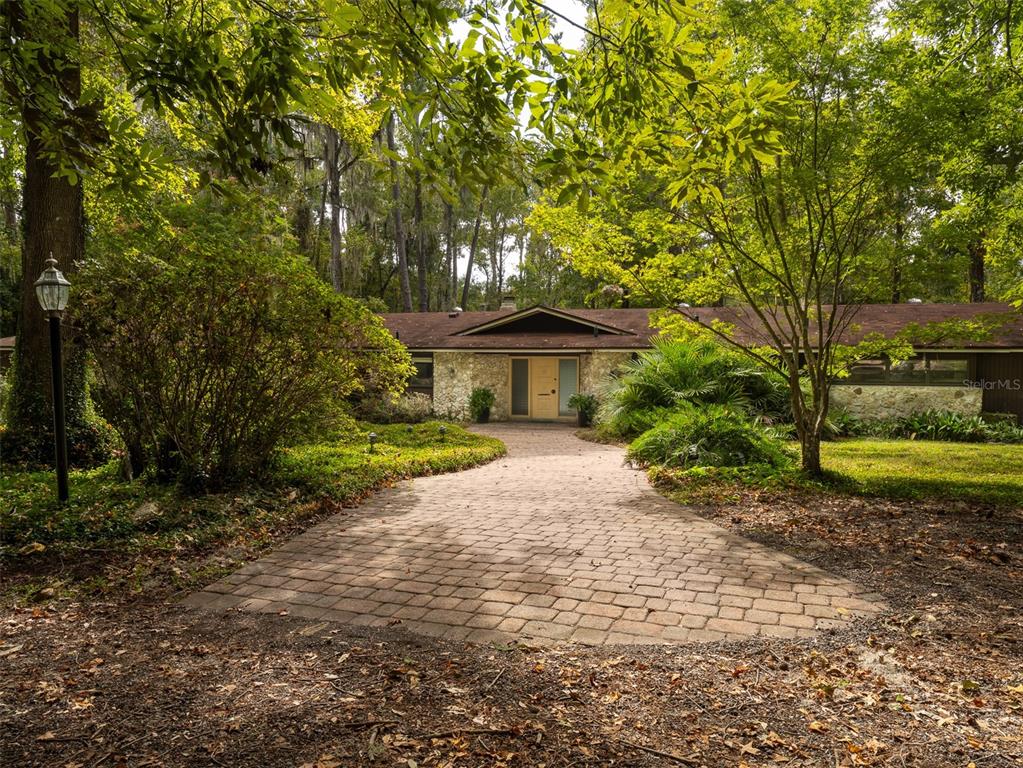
(883,401)
(456,374)
(596,368)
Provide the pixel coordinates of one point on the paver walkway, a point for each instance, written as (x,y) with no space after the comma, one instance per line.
(559,541)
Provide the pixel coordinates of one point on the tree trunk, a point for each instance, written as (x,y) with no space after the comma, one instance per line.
(977,253)
(900,243)
(10,218)
(421,270)
(322,217)
(472,250)
(450,262)
(500,263)
(492,288)
(53,216)
(810,448)
(333,153)
(399,226)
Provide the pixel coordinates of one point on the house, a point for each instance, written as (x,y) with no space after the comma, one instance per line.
(535,359)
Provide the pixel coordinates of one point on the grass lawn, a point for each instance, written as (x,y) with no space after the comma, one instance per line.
(115,534)
(974,473)
(912,469)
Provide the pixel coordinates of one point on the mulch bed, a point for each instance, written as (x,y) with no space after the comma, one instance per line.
(937,681)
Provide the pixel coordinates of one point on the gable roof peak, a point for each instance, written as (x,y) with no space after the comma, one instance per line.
(543,309)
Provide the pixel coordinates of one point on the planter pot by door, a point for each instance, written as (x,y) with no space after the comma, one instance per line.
(483,417)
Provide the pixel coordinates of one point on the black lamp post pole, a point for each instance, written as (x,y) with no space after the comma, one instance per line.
(59,422)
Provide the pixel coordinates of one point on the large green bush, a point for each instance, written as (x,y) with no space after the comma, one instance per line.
(215,344)
(709,436)
(678,373)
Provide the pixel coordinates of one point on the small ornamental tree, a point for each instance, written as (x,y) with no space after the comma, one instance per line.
(753,178)
(215,345)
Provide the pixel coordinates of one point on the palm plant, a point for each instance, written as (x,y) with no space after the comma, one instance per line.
(675,373)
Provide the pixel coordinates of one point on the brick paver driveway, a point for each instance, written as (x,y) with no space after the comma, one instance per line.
(556,542)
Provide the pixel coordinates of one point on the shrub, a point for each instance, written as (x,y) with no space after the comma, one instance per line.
(215,344)
(410,408)
(28,417)
(481,400)
(936,425)
(675,373)
(711,435)
(585,405)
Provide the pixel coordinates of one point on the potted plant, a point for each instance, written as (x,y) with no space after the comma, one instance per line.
(480,402)
(585,407)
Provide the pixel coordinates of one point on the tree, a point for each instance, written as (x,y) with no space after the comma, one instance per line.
(773,190)
(399,227)
(961,91)
(238,75)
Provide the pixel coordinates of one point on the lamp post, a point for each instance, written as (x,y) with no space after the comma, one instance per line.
(52,290)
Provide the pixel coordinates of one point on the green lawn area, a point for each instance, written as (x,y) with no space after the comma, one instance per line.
(134,528)
(981,472)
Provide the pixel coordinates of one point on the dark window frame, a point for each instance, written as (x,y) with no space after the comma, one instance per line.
(420,383)
(893,376)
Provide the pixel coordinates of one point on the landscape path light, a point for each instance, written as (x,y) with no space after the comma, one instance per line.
(52,290)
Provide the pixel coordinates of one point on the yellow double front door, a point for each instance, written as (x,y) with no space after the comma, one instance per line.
(541,386)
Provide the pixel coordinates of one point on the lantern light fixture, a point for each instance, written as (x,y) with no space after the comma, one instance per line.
(52,289)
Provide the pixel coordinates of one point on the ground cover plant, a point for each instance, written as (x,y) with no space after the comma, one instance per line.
(135,536)
(934,425)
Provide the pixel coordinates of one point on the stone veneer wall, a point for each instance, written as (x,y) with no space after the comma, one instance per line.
(456,374)
(596,368)
(874,401)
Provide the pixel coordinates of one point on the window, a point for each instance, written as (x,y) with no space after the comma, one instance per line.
(422,379)
(568,377)
(520,386)
(950,371)
(923,369)
(869,372)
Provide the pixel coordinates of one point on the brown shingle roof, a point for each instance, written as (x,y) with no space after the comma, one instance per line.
(890,319)
(437,330)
